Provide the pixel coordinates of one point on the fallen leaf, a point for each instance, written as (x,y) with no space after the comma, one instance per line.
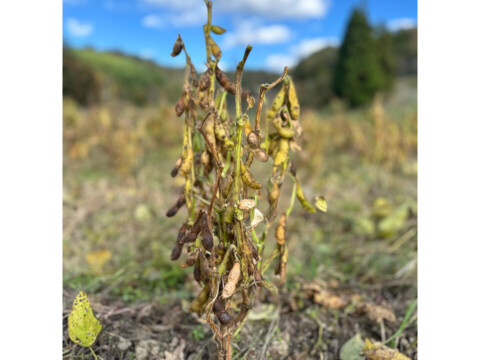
(330,300)
(377,313)
(97,259)
(352,349)
(378,351)
(83,326)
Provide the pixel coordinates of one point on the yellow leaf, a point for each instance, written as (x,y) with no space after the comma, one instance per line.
(378,351)
(97,259)
(83,326)
(321,203)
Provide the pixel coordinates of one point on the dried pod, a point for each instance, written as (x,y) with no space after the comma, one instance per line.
(230,86)
(204,81)
(218,305)
(191,259)
(280,230)
(246,204)
(252,139)
(224,317)
(301,197)
(292,101)
(177,166)
(174,209)
(215,49)
(233,277)
(176,252)
(180,106)
(206,231)
(197,274)
(182,232)
(177,47)
(218,30)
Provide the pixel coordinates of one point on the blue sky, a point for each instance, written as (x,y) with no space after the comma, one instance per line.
(280,31)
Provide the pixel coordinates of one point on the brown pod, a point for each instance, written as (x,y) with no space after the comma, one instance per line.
(197,274)
(224,317)
(180,106)
(174,209)
(204,81)
(218,305)
(177,166)
(207,236)
(182,232)
(177,47)
(253,140)
(228,85)
(176,252)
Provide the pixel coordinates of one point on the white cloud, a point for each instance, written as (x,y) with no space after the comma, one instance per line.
(79,29)
(273,9)
(153,21)
(277,62)
(306,47)
(279,9)
(250,32)
(401,24)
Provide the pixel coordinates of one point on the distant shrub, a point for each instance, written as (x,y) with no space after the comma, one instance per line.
(79,80)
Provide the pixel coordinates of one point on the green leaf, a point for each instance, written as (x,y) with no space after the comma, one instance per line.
(321,203)
(352,349)
(83,326)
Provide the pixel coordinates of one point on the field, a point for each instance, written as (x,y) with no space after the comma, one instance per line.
(351,270)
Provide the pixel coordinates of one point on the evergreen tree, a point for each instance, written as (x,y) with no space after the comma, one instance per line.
(386,57)
(358,74)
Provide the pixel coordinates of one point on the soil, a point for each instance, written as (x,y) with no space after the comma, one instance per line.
(287,326)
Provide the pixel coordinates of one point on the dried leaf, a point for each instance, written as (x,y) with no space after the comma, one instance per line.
(321,203)
(377,313)
(83,326)
(258,217)
(330,300)
(378,351)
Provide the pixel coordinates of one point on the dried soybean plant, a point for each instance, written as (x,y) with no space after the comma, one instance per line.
(221,193)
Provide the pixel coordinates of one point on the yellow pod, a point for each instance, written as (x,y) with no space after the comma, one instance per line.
(282,154)
(277,103)
(301,197)
(280,230)
(220,132)
(292,101)
(248,178)
(187,163)
(273,193)
(284,132)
